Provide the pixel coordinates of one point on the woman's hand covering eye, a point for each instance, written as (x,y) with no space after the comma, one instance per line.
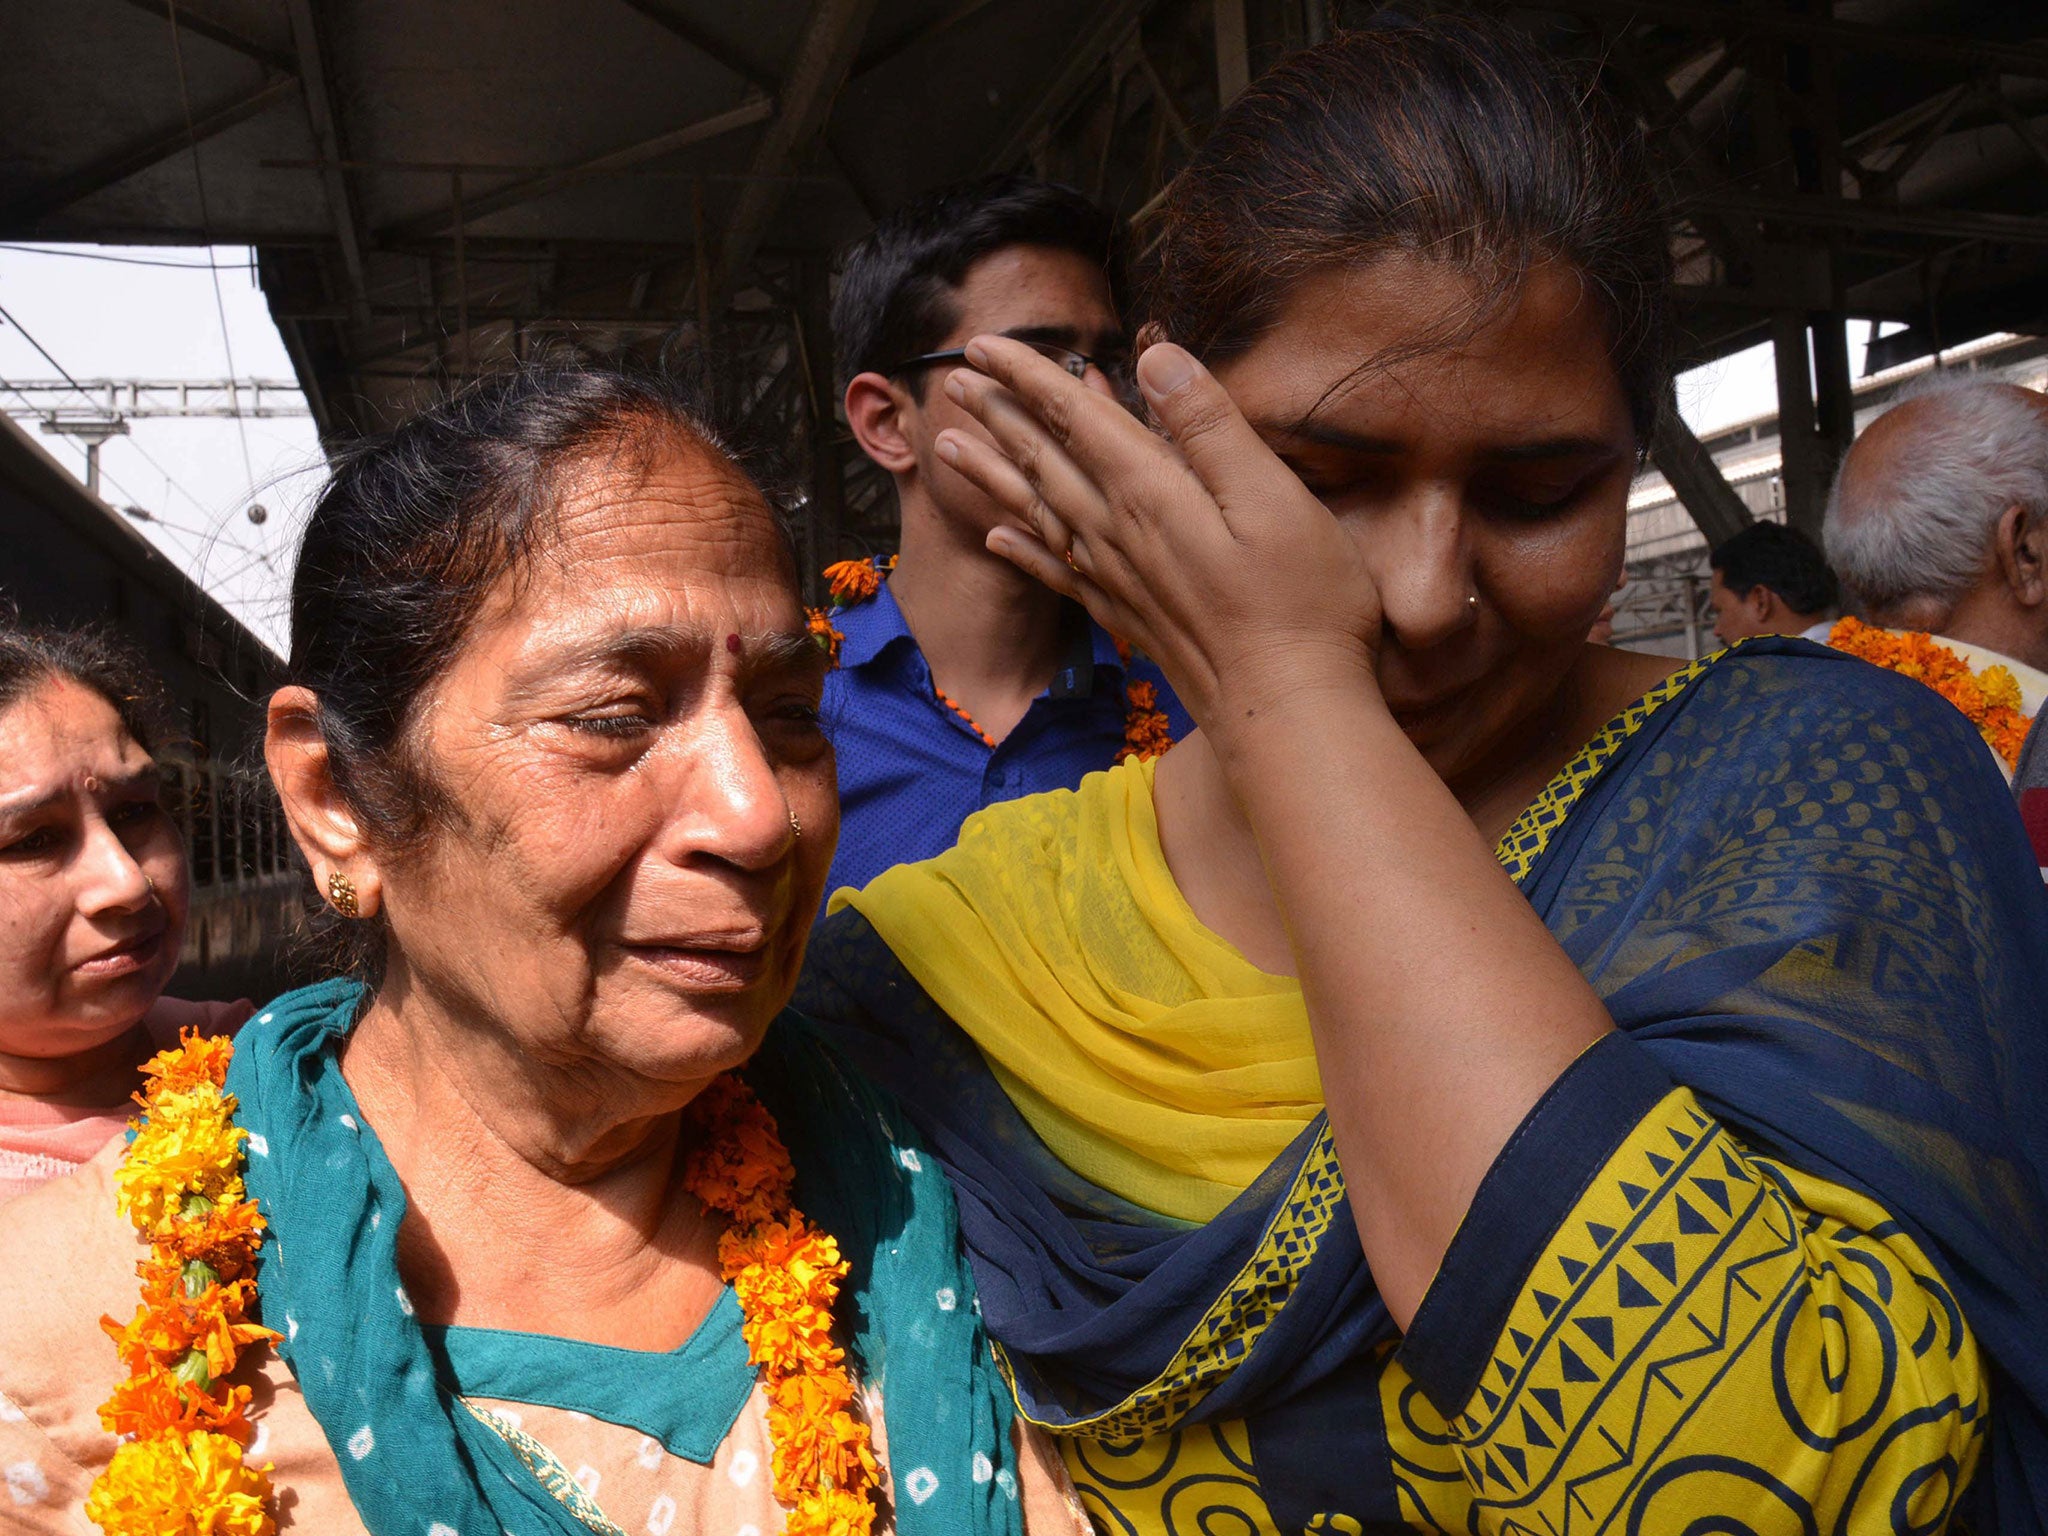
(1198,546)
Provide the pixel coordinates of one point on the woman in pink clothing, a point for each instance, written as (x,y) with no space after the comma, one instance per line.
(93,895)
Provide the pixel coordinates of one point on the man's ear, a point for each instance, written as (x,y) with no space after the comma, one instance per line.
(1760,603)
(2021,543)
(322,824)
(875,409)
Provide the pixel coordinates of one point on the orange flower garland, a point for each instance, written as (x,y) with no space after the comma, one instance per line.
(851,583)
(1990,699)
(786,1275)
(180,1468)
(1148,731)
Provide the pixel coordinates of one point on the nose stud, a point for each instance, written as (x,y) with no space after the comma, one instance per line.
(1472,600)
(796,824)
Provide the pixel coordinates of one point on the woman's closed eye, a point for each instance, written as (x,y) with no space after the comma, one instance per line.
(613,722)
(1534,498)
(39,843)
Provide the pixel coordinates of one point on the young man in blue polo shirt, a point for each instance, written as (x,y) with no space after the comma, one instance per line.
(961,681)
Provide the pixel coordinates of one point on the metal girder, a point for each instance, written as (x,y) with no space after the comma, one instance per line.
(2030,59)
(1081,62)
(1822,212)
(2028,134)
(713,48)
(891,49)
(750,110)
(824,55)
(1684,461)
(139,399)
(327,140)
(200,25)
(1730,242)
(432,313)
(138,157)
(1888,177)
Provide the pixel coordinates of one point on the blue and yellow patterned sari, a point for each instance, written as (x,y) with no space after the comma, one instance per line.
(1773,1256)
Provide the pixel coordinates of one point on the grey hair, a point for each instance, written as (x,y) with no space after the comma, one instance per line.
(1924,530)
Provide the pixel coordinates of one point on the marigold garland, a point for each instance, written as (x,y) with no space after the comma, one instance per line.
(786,1276)
(1990,699)
(179,1469)
(1148,731)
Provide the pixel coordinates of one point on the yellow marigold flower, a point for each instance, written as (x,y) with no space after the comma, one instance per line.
(190,1485)
(187,1146)
(831,1512)
(2001,688)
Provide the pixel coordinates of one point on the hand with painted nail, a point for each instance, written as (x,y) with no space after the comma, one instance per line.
(1195,542)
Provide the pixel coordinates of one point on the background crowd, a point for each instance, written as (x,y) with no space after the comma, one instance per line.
(1277,1010)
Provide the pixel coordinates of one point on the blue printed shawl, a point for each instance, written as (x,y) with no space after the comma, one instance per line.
(1789,813)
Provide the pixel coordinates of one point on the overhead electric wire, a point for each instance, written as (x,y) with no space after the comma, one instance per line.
(45,352)
(49,358)
(126,261)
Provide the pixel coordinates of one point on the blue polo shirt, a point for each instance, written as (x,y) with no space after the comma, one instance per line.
(911,770)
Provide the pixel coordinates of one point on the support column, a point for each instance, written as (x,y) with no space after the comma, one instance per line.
(1233,51)
(1684,461)
(1803,469)
(826,512)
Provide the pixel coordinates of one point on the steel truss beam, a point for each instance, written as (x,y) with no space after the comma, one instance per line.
(824,55)
(200,25)
(752,109)
(23,213)
(327,139)
(1727,21)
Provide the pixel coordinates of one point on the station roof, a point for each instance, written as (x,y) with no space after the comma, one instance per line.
(434,186)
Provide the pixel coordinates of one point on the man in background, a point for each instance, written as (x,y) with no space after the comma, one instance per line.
(962,681)
(1938,521)
(1770,580)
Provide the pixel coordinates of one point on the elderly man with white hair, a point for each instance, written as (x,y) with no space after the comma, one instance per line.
(1939,521)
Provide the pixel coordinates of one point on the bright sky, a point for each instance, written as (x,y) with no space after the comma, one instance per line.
(102,318)
(132,312)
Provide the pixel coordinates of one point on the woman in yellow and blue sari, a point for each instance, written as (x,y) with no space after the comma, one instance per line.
(1481,1081)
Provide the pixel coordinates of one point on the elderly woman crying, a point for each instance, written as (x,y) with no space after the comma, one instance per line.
(561,1234)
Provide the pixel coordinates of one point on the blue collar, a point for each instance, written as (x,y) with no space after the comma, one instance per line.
(873,628)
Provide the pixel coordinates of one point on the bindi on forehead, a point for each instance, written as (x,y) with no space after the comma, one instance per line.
(732,645)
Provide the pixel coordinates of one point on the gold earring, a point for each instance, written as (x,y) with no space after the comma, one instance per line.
(342,892)
(796,825)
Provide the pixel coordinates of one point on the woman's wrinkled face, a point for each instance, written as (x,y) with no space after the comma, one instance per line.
(620,753)
(1494,467)
(93,890)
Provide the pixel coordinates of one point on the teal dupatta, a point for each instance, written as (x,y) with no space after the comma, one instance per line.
(389,1392)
